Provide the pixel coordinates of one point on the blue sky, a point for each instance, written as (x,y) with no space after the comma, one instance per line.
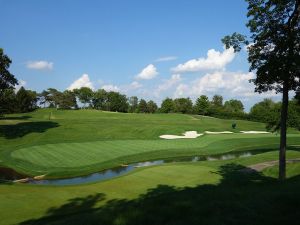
(152,49)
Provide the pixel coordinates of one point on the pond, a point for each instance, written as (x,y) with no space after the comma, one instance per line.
(11,175)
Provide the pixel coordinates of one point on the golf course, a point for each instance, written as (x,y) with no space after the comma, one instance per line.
(58,144)
(150,112)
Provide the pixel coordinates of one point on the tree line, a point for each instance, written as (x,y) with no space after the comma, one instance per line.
(266,111)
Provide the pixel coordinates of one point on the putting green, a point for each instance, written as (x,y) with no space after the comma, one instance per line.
(70,159)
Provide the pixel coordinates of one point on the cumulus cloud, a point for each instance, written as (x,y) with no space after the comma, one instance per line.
(167,84)
(39,65)
(22,83)
(83,81)
(148,73)
(165,59)
(110,87)
(222,82)
(214,60)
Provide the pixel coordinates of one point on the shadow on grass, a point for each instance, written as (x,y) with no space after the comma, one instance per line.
(11,131)
(239,198)
(15,118)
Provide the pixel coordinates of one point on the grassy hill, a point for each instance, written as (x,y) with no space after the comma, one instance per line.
(62,143)
(70,143)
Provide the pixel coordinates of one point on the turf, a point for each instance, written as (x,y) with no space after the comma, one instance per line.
(163,192)
(70,143)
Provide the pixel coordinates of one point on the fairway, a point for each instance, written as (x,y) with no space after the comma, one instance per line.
(66,143)
(78,144)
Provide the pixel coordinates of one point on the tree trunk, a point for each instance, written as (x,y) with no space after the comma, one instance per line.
(283,121)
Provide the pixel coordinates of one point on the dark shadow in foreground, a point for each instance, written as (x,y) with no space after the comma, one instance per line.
(240,198)
(11,131)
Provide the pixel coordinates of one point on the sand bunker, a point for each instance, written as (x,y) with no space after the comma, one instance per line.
(221,132)
(194,134)
(188,134)
(254,132)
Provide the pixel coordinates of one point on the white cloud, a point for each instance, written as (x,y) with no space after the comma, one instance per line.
(39,65)
(22,83)
(135,85)
(167,84)
(165,59)
(221,82)
(83,81)
(215,60)
(149,72)
(110,87)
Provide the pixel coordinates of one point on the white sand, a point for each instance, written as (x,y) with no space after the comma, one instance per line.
(194,134)
(221,132)
(254,132)
(188,134)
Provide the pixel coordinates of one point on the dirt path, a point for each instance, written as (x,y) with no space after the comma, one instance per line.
(261,166)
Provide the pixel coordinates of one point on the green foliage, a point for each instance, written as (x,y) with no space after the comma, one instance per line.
(151,106)
(234,106)
(275,53)
(7,101)
(26,100)
(202,105)
(142,107)
(116,102)
(133,104)
(67,100)
(7,80)
(84,95)
(183,105)
(235,40)
(167,106)
(99,99)
(217,101)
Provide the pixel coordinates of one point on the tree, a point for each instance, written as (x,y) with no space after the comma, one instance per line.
(67,100)
(151,106)
(202,105)
(99,99)
(274,54)
(8,101)
(142,107)
(267,112)
(84,95)
(133,104)
(234,106)
(53,97)
(217,101)
(7,80)
(167,106)
(26,100)
(117,102)
(183,105)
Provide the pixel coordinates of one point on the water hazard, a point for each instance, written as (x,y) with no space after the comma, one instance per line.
(8,174)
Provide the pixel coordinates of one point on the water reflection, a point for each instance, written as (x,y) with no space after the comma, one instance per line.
(118,171)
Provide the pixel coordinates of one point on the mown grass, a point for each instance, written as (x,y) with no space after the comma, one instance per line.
(175,193)
(70,143)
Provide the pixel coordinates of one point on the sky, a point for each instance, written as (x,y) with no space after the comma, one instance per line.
(152,49)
